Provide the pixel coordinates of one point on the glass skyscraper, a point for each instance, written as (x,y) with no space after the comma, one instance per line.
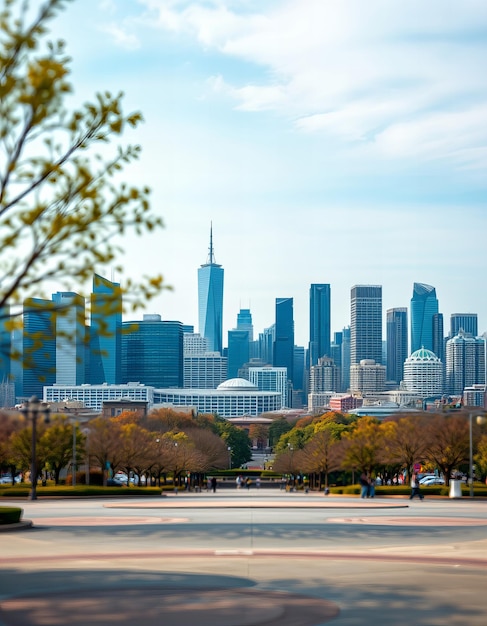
(284,338)
(105,333)
(463,321)
(152,352)
(366,323)
(238,351)
(70,338)
(397,343)
(39,346)
(210,301)
(319,322)
(424,306)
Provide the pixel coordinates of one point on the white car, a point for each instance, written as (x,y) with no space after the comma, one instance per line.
(433,480)
(7,480)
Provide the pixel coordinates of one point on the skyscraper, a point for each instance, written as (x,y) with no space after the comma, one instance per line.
(238,351)
(210,300)
(424,305)
(439,337)
(244,322)
(239,342)
(39,346)
(152,352)
(465,362)
(463,321)
(284,337)
(70,338)
(397,343)
(105,332)
(366,323)
(5,344)
(319,322)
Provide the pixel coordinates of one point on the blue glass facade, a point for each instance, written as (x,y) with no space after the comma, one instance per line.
(70,338)
(152,352)
(366,323)
(210,301)
(284,335)
(238,351)
(424,306)
(397,343)
(105,332)
(5,344)
(319,322)
(38,346)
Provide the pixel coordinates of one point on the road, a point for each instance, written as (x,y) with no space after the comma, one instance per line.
(241,558)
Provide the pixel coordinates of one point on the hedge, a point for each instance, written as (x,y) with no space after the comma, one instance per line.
(10,514)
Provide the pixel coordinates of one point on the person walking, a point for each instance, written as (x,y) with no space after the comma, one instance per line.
(364,485)
(415,487)
(213,484)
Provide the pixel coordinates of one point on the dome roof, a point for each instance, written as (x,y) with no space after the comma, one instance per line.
(237,384)
(423,355)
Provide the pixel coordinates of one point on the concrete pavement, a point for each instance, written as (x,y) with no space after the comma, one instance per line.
(247,558)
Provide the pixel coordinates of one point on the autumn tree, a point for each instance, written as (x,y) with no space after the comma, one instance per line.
(363,446)
(447,443)
(62,204)
(321,455)
(406,443)
(481,457)
(212,451)
(104,443)
(57,441)
(135,446)
(8,426)
(21,448)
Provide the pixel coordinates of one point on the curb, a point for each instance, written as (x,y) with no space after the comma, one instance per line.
(22,525)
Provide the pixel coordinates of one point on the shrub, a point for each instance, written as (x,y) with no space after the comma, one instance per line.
(10,514)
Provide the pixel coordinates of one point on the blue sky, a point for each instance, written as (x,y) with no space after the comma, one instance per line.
(335,141)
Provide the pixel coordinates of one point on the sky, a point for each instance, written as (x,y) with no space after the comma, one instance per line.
(327,141)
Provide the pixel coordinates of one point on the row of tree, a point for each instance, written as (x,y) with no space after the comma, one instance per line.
(164,442)
(330,442)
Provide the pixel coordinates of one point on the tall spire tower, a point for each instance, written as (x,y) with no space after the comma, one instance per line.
(210,300)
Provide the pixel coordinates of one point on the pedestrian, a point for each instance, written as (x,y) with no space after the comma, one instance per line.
(238,481)
(208,484)
(364,485)
(283,484)
(257,482)
(213,484)
(371,489)
(415,487)
(248,482)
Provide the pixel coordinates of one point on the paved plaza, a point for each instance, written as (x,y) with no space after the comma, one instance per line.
(246,558)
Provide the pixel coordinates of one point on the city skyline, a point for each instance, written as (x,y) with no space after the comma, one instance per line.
(350,150)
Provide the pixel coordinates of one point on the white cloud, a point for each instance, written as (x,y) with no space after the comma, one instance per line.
(378,71)
(121,37)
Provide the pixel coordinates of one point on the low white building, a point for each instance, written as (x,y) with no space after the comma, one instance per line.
(233,398)
(93,396)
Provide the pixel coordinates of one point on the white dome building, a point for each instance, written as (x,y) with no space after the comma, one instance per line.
(235,397)
(423,373)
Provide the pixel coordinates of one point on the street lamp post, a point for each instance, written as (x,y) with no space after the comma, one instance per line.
(30,410)
(86,433)
(480,420)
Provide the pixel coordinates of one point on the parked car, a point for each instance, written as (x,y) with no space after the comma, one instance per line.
(6,479)
(111,482)
(426,477)
(433,480)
